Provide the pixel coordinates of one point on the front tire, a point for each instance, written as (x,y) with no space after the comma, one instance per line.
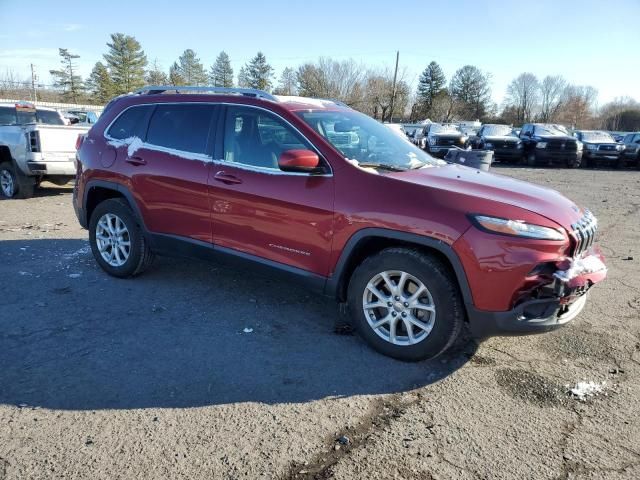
(117,241)
(405,304)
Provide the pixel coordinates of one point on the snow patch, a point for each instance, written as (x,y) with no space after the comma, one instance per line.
(248,330)
(134,145)
(582,390)
(77,253)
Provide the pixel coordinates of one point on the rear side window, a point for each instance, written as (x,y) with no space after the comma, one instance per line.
(183,127)
(131,123)
(7,116)
(48,117)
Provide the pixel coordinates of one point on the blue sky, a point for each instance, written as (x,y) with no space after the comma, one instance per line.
(588,42)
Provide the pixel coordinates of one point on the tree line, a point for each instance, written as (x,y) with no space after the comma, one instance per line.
(466,96)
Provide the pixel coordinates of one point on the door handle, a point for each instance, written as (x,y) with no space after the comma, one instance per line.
(136,161)
(226,178)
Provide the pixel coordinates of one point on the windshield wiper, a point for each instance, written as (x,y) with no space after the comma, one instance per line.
(382,166)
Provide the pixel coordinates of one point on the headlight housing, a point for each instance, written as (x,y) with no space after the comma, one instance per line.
(619,147)
(541,145)
(591,146)
(488,145)
(516,228)
(519,145)
(432,141)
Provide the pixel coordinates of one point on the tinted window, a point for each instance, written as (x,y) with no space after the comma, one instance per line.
(254,137)
(182,127)
(7,116)
(131,123)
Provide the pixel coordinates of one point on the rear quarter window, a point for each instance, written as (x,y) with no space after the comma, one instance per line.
(7,116)
(183,127)
(48,117)
(131,123)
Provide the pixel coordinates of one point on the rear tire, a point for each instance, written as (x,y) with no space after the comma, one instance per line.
(122,252)
(13,184)
(435,316)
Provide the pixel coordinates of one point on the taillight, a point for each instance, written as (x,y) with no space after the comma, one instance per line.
(33,138)
(79,141)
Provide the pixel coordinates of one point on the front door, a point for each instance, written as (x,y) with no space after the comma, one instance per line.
(260,210)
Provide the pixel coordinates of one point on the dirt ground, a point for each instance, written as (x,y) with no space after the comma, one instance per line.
(196,370)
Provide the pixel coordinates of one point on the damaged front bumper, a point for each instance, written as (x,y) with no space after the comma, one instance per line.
(560,301)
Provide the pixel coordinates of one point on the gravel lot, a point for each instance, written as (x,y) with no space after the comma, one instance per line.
(157,377)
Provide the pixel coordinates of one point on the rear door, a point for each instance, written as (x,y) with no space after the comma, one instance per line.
(260,210)
(168,165)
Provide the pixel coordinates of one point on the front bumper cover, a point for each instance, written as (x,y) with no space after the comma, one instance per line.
(569,290)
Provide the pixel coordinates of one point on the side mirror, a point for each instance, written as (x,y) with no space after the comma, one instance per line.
(299,161)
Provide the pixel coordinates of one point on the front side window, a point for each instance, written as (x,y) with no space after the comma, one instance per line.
(362,139)
(183,127)
(256,138)
(131,123)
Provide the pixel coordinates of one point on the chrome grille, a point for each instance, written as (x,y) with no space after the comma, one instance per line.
(584,232)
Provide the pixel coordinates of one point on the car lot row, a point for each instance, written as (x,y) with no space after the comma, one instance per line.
(533,144)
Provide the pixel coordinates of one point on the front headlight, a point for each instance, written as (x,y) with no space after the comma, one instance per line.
(590,146)
(541,145)
(620,147)
(519,145)
(579,146)
(432,141)
(516,228)
(464,139)
(488,145)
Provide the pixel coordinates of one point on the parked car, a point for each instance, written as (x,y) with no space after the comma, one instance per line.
(398,129)
(35,145)
(416,133)
(598,147)
(413,245)
(550,143)
(500,138)
(441,137)
(85,117)
(631,152)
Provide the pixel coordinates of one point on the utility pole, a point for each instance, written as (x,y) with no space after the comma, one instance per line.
(393,90)
(34,94)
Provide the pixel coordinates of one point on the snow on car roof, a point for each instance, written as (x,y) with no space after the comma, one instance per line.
(309,102)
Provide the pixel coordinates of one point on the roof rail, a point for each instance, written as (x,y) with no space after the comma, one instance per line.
(249,92)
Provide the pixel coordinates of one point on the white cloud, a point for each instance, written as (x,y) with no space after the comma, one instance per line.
(72,27)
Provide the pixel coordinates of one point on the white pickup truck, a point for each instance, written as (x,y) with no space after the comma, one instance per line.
(35,145)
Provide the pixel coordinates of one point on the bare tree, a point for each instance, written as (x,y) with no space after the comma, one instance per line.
(551,90)
(523,94)
(578,104)
(329,78)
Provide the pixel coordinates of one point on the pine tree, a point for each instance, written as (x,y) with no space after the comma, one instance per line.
(221,72)
(288,82)
(126,62)
(155,75)
(259,72)
(243,80)
(191,69)
(100,84)
(66,78)
(432,81)
(174,75)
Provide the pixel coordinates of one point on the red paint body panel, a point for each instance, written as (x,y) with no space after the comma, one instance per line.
(305,221)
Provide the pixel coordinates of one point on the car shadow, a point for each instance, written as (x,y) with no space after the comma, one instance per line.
(48,190)
(184,334)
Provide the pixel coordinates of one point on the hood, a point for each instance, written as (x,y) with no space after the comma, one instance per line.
(501,138)
(447,135)
(562,138)
(499,188)
(612,142)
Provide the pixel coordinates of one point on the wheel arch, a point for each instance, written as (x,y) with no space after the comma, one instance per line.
(97,191)
(370,241)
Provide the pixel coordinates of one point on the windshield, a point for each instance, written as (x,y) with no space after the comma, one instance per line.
(361,138)
(436,128)
(596,137)
(46,117)
(497,131)
(550,130)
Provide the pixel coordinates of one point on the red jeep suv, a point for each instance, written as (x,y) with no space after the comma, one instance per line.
(311,188)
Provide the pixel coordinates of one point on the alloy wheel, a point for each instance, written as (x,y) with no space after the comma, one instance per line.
(6,183)
(113,240)
(399,307)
